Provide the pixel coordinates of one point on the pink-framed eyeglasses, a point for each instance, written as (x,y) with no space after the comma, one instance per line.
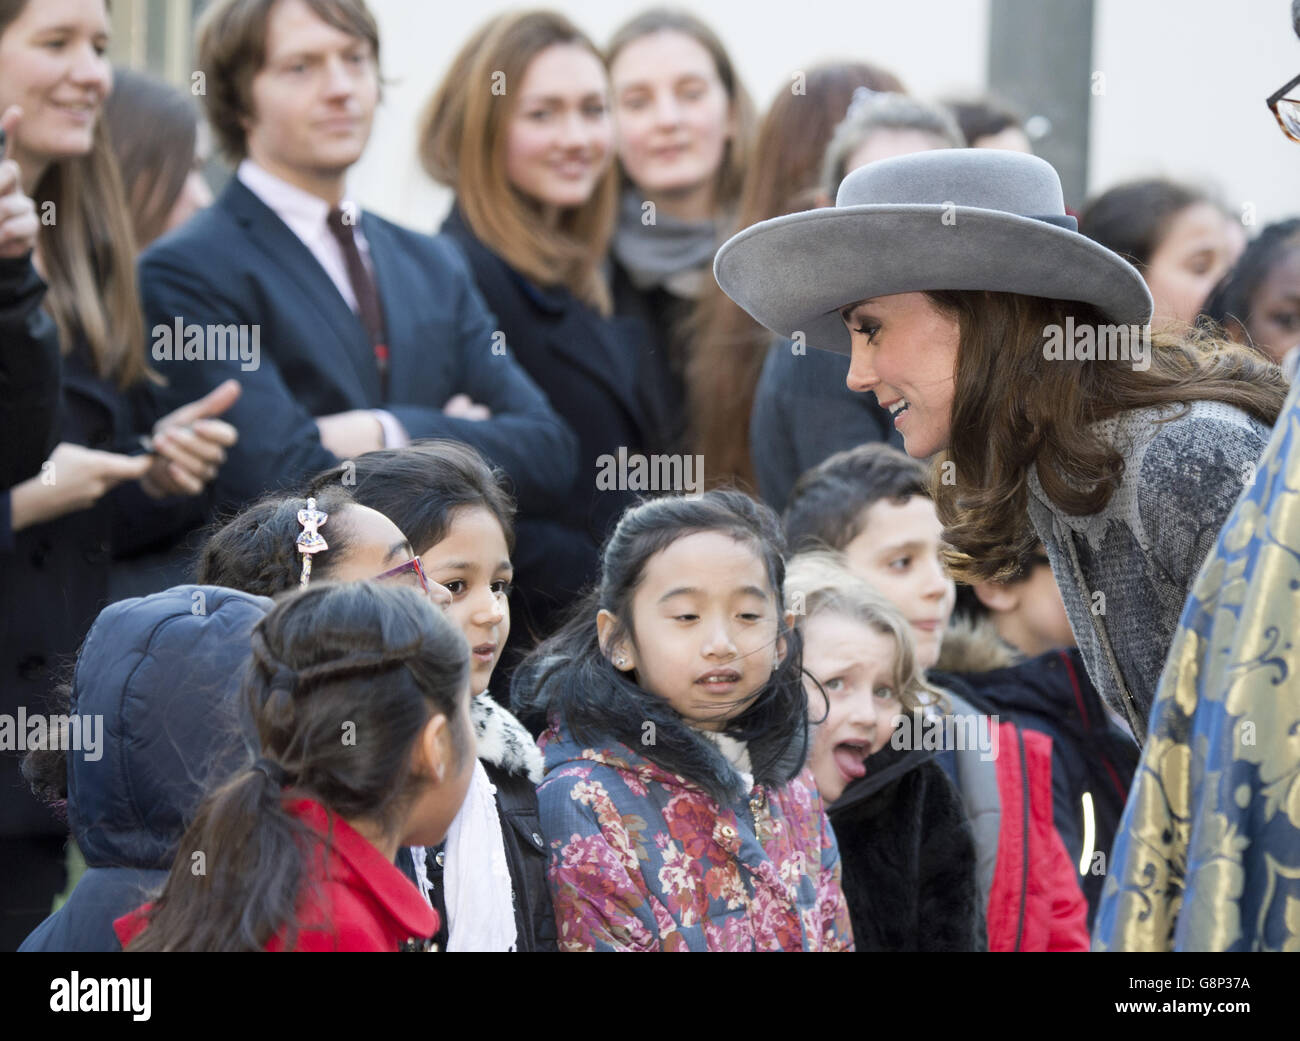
(414,566)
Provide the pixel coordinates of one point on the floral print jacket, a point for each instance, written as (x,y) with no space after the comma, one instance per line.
(644,860)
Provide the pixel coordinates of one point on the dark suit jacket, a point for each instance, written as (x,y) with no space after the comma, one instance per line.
(238,263)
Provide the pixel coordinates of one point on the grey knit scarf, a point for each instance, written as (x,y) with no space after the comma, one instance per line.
(667,252)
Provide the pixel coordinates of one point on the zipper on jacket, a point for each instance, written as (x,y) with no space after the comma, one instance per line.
(1024,837)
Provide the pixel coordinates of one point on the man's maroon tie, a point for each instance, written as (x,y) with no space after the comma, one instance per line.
(367,293)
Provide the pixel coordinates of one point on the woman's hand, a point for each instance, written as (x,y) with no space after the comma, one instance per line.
(73,478)
(189,445)
(18,223)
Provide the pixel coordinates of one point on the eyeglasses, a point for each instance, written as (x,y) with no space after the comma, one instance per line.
(1286,110)
(412,566)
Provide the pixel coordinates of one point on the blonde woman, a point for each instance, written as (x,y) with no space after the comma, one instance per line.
(532,166)
(905,842)
(686,129)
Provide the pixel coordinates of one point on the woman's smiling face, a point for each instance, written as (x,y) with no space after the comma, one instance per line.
(905,352)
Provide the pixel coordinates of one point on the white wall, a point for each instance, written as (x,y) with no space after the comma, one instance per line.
(1185,89)
(1184,80)
(933,45)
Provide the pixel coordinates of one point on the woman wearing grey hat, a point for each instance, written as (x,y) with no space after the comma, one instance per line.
(1000,337)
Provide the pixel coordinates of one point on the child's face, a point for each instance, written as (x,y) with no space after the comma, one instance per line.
(855,665)
(705,624)
(1029,614)
(473,563)
(897,551)
(377,546)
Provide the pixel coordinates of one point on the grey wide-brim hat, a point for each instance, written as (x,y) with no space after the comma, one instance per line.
(949,218)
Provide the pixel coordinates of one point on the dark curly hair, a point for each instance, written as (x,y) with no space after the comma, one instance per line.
(257,549)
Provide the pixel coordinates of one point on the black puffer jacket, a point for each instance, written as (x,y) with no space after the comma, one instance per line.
(908,857)
(163,673)
(514,766)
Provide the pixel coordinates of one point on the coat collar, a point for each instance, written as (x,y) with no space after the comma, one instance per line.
(596,346)
(560,748)
(360,866)
(503,741)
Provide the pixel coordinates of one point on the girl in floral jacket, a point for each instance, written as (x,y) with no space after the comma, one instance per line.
(676,805)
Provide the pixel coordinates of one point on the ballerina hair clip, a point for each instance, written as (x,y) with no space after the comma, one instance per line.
(310,539)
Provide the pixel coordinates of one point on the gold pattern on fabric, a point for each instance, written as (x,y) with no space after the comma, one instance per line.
(1208,853)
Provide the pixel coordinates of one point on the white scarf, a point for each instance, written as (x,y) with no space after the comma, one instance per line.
(476,878)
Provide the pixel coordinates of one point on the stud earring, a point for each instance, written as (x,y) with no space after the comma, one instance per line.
(620,661)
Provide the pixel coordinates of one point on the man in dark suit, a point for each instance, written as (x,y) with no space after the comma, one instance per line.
(348,332)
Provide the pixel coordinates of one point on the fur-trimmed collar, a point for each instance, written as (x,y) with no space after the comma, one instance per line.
(503,741)
(974,646)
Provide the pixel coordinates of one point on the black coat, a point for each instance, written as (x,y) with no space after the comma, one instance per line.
(54,577)
(908,857)
(804,413)
(29,373)
(662,368)
(514,766)
(164,673)
(588,367)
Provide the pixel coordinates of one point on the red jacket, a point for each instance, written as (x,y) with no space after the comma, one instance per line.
(353,899)
(1035,903)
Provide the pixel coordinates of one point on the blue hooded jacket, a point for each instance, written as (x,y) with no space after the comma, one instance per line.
(164,672)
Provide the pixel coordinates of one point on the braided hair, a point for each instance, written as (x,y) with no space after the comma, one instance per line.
(378,660)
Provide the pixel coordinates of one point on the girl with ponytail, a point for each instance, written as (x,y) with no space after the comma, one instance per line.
(360,698)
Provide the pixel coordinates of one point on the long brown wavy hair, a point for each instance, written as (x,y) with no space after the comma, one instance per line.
(463,144)
(1012,407)
(88,253)
(154,128)
(729,347)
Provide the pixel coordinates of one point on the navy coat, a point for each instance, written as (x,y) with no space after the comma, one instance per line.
(238,263)
(164,673)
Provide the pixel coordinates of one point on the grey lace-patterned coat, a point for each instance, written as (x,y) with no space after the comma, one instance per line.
(1126,572)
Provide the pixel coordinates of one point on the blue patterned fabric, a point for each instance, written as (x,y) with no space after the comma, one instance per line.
(1208,853)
